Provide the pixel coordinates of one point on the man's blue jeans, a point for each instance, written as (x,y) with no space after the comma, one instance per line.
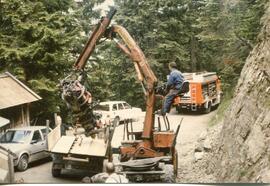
(168,100)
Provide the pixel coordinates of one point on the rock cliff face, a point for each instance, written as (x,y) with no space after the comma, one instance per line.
(242,153)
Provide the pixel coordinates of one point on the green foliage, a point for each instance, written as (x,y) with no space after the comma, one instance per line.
(227,34)
(38,43)
(225,103)
(204,35)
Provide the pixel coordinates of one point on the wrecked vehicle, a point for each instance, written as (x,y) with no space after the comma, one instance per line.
(88,144)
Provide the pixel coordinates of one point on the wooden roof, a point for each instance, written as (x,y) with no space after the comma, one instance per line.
(13,92)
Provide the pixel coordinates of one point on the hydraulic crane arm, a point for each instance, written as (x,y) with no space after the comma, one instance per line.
(149,143)
(135,53)
(144,72)
(96,35)
(73,92)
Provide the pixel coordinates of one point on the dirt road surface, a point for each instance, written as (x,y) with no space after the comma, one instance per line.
(192,126)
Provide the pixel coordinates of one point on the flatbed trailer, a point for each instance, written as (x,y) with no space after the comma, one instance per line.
(80,152)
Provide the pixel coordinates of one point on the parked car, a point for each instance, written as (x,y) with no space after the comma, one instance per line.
(28,143)
(119,110)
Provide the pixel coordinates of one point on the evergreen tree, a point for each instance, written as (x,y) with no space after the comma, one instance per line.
(227,33)
(39,42)
(203,35)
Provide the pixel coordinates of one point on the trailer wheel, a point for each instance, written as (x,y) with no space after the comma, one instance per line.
(56,172)
(169,176)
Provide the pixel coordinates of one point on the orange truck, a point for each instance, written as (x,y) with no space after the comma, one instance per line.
(204,92)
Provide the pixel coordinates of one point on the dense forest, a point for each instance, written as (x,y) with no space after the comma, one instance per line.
(41,39)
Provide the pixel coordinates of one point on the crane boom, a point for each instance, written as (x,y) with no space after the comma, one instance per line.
(151,143)
(144,72)
(97,33)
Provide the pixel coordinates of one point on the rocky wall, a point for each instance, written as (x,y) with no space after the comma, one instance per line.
(242,151)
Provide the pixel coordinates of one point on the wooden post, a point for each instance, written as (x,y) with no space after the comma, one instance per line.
(131,126)
(124,133)
(11,168)
(55,120)
(22,115)
(28,113)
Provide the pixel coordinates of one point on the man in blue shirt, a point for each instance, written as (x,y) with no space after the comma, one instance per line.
(174,85)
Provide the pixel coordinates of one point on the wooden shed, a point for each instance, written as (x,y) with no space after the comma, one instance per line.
(15,99)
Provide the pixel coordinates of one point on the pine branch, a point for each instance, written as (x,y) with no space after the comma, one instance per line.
(244,41)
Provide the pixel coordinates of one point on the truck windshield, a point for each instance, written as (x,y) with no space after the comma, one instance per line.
(103,107)
(15,136)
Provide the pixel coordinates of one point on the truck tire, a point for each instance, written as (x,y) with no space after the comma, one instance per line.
(169,176)
(208,109)
(23,163)
(215,107)
(56,172)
